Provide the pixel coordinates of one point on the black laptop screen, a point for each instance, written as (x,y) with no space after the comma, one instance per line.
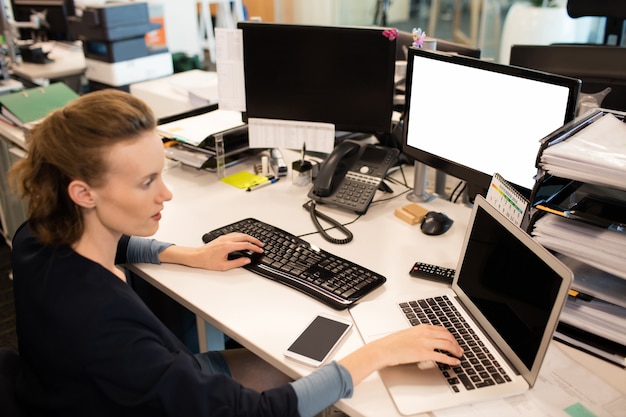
(513,287)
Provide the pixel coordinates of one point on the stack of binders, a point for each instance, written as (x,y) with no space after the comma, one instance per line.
(579,212)
(114,42)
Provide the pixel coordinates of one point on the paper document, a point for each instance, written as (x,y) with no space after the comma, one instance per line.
(563,389)
(270,133)
(229,65)
(595,154)
(193,130)
(597,317)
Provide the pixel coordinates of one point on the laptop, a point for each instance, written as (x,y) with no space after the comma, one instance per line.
(509,292)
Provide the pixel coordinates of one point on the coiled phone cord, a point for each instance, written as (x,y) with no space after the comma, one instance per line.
(310,207)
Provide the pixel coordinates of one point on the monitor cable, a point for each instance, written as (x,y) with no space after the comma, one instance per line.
(316,215)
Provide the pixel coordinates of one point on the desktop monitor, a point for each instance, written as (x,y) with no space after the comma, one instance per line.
(338,75)
(471,118)
(597,66)
(54,14)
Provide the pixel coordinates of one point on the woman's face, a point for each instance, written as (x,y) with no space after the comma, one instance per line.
(132,195)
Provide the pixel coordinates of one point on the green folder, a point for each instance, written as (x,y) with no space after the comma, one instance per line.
(33,104)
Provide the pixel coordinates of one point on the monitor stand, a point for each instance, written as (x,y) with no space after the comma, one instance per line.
(419,194)
(440,184)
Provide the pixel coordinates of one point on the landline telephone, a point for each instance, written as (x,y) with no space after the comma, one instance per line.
(351,174)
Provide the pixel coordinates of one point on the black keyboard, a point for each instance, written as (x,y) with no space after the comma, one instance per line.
(478,368)
(292,261)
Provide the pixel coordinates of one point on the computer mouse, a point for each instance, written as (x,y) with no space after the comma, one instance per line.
(436,223)
(244,254)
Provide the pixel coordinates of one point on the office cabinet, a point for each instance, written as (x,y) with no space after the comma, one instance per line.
(12,208)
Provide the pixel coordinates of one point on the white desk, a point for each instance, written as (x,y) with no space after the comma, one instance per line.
(381,242)
(178,93)
(69,63)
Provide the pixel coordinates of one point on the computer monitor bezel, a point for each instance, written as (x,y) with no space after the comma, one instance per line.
(478,181)
(322,42)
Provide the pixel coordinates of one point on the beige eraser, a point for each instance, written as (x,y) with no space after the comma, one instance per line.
(416,211)
(405,216)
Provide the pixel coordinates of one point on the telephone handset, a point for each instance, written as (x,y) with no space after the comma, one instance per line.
(351,174)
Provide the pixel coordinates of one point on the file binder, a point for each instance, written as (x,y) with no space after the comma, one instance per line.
(33,104)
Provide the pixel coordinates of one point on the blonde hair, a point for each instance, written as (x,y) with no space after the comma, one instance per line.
(69,144)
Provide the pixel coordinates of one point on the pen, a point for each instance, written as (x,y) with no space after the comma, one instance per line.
(303,151)
(263,184)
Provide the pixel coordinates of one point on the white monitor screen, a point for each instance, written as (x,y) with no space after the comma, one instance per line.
(484,116)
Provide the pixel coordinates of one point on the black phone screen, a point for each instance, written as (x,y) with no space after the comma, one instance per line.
(319,338)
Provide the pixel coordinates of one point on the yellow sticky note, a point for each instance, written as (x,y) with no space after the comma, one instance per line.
(244,179)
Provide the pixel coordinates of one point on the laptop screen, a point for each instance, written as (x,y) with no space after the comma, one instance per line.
(511,283)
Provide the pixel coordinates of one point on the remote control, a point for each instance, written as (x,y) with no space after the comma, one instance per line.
(432,272)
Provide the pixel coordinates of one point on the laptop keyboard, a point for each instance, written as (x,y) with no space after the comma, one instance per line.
(478,368)
(294,262)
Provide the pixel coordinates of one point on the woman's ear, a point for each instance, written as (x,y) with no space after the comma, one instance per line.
(81,194)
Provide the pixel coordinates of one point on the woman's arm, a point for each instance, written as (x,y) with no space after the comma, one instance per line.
(213,255)
(337,379)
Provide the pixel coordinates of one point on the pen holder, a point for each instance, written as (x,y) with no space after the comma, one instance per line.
(301,173)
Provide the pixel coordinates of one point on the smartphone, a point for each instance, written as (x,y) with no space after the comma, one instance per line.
(318,339)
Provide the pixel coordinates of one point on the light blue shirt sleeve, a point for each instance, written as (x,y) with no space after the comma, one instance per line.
(322,389)
(142,250)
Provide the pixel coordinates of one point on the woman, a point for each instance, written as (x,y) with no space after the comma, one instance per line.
(89,346)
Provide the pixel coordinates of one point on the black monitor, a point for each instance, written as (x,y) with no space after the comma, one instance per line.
(598,66)
(338,75)
(471,118)
(54,18)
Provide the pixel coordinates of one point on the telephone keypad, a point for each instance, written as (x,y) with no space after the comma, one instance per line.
(356,191)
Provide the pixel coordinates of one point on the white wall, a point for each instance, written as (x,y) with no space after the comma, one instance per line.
(346,12)
(181,26)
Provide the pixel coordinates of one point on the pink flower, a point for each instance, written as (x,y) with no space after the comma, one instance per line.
(391,34)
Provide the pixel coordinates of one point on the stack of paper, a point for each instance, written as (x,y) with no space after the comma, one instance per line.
(199,130)
(594,316)
(595,154)
(601,248)
(583,200)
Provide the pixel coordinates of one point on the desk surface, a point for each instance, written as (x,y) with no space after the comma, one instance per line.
(381,242)
(69,60)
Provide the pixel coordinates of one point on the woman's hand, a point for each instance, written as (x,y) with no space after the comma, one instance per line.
(416,344)
(214,255)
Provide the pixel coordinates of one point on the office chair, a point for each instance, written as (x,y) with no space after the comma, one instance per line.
(9,366)
(613,10)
